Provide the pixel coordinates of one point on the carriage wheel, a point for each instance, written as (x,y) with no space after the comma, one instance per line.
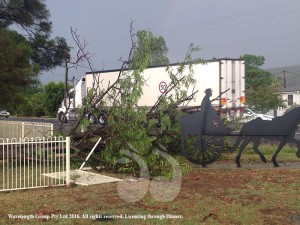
(202,149)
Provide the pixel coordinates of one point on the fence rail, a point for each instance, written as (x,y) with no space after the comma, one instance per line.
(20,129)
(34,162)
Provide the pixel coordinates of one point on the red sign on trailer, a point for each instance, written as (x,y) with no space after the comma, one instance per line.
(163,87)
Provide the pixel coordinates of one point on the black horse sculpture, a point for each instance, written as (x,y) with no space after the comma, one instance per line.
(282,128)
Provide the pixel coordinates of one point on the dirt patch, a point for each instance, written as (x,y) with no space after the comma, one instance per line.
(254,187)
(218,194)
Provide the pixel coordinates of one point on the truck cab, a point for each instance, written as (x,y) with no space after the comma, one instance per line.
(68,110)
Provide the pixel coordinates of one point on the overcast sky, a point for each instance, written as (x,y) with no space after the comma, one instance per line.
(221,28)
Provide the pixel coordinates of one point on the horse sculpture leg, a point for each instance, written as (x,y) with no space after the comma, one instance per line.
(298,151)
(236,144)
(281,144)
(256,142)
(243,146)
(296,142)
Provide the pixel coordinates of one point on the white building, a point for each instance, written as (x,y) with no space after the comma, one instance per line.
(290,83)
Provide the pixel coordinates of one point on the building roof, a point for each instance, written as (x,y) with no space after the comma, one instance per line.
(292,77)
(171,64)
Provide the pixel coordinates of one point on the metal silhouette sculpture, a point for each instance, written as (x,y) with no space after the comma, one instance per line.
(202,139)
(282,128)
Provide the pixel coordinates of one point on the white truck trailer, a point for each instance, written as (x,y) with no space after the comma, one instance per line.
(226,78)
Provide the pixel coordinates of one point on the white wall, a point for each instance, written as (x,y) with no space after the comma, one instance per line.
(207,76)
(296,100)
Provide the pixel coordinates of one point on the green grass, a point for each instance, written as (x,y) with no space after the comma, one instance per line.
(288,153)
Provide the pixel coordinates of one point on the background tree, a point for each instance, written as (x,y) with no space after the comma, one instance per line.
(32,103)
(157,48)
(41,100)
(33,17)
(16,70)
(53,96)
(262,89)
(22,57)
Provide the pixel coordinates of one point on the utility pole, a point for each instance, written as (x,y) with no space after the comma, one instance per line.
(284,80)
(66,83)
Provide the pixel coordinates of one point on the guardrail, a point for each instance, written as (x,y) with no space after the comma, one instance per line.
(33,163)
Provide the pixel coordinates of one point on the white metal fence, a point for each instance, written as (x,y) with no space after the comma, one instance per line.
(33,163)
(19,129)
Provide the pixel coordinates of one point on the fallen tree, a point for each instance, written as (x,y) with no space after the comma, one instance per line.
(130,127)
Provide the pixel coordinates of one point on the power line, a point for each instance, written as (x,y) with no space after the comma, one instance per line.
(233,17)
(276,73)
(292,73)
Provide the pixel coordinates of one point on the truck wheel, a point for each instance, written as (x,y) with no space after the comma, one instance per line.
(102,119)
(92,118)
(62,117)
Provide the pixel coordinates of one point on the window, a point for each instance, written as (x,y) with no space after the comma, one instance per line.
(290,100)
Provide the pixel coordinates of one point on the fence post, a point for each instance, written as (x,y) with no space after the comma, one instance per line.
(23,130)
(68,144)
(51,129)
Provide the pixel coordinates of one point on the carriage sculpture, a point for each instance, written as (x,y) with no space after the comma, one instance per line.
(203,132)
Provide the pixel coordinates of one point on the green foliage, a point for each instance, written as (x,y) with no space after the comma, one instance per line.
(262,89)
(153,48)
(23,56)
(33,17)
(49,53)
(75,163)
(264,98)
(142,53)
(33,102)
(253,61)
(37,104)
(32,105)
(29,13)
(16,71)
(53,96)
(128,127)
(128,120)
(132,129)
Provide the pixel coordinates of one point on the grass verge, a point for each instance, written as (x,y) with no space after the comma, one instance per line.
(207,196)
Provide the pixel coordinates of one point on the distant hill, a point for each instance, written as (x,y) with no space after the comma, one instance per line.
(292,77)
